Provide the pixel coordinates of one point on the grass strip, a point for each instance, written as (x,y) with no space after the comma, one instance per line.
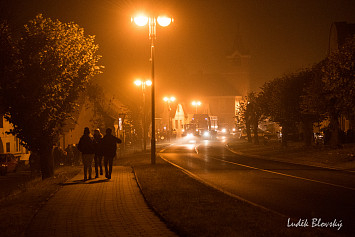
(191,208)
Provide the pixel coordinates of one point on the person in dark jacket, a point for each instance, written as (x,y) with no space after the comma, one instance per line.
(86,147)
(98,152)
(109,147)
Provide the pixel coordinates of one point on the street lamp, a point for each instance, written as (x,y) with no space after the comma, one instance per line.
(171,99)
(143,84)
(168,100)
(139,82)
(152,23)
(196,103)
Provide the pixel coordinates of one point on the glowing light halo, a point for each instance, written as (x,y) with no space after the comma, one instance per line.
(148,82)
(196,103)
(141,20)
(171,99)
(164,21)
(138,82)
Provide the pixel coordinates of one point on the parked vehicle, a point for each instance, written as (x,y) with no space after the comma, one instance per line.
(8,163)
(190,130)
(319,138)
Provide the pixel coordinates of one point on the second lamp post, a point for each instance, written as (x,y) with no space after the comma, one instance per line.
(139,82)
(152,23)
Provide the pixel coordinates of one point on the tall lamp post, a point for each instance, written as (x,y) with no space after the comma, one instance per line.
(152,23)
(143,84)
(168,101)
(196,103)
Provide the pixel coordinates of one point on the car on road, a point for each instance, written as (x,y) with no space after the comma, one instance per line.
(207,134)
(8,163)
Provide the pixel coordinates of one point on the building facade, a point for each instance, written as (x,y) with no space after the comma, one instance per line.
(10,143)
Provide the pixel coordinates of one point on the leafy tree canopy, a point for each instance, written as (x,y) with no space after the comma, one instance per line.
(281,100)
(56,61)
(7,60)
(339,79)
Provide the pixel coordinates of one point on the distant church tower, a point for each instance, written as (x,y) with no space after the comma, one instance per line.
(238,67)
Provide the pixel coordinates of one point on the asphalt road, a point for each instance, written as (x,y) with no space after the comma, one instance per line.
(295,191)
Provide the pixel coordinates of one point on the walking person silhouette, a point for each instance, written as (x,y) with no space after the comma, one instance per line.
(109,147)
(86,147)
(98,152)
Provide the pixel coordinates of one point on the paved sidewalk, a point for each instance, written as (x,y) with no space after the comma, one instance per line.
(98,207)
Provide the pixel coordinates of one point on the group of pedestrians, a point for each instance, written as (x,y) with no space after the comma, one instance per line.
(95,148)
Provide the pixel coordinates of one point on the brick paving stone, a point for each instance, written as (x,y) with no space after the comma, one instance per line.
(98,207)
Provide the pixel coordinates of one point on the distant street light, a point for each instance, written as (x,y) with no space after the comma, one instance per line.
(139,82)
(196,103)
(152,22)
(168,100)
(171,99)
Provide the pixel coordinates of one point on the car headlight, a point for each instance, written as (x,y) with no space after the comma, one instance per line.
(206,134)
(189,135)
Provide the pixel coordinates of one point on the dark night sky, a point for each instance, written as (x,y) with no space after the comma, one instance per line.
(281,35)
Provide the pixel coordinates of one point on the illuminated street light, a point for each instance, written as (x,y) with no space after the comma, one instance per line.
(139,82)
(164,21)
(196,103)
(148,82)
(171,99)
(143,84)
(142,20)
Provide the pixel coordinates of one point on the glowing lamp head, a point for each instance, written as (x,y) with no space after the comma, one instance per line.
(140,20)
(171,99)
(148,82)
(164,21)
(196,103)
(138,82)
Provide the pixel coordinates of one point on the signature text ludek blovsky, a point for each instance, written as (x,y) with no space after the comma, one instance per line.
(315,222)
